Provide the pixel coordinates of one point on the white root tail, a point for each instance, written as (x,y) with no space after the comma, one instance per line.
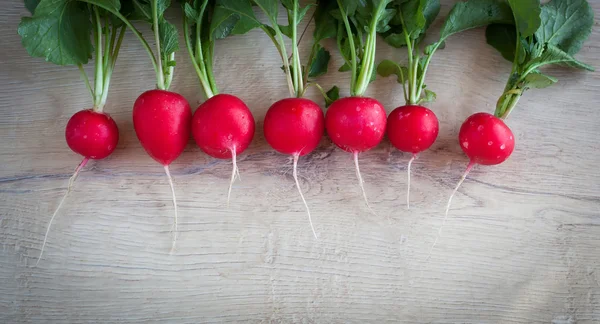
(295,173)
(414,156)
(235,171)
(168,173)
(361,183)
(69,188)
(439,233)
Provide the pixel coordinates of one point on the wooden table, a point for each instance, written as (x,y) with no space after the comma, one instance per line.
(521,244)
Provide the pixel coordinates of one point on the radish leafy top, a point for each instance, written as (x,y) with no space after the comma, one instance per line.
(60,31)
(408,28)
(203,23)
(541,35)
(297,75)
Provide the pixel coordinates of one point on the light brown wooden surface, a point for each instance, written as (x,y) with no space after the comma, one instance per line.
(521,244)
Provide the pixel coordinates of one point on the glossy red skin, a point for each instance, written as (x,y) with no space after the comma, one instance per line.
(356,124)
(92,134)
(294,126)
(486,139)
(162,122)
(222,123)
(412,128)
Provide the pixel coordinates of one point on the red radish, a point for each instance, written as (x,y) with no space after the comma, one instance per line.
(486,140)
(356,124)
(223,127)
(412,129)
(92,134)
(162,121)
(295,126)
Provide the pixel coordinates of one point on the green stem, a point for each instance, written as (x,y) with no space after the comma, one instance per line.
(411,75)
(98,74)
(511,105)
(286,64)
(86,80)
(426,65)
(416,92)
(114,49)
(297,65)
(160,81)
(201,75)
(108,51)
(323,92)
(131,27)
(313,51)
(209,68)
(352,49)
(170,71)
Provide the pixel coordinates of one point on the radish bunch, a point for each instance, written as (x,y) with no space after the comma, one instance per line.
(222,126)
(295,125)
(91,133)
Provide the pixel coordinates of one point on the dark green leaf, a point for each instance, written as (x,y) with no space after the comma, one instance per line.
(286,30)
(554,55)
(222,23)
(345,68)
(539,81)
(110,5)
(169,39)
(242,8)
(319,63)
(59,31)
(388,67)
(191,13)
(413,17)
(431,9)
(31,5)
(270,7)
(395,40)
(325,25)
(333,94)
(476,13)
(566,24)
(384,20)
(527,16)
(244,25)
(161,7)
(503,38)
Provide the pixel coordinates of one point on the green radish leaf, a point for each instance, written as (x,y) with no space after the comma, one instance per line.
(141,10)
(384,20)
(270,7)
(333,94)
(476,13)
(396,40)
(503,38)
(388,67)
(554,55)
(169,39)
(31,5)
(566,24)
(413,17)
(430,96)
(539,80)
(240,7)
(527,16)
(345,68)
(59,32)
(325,25)
(161,7)
(319,63)
(192,14)
(222,23)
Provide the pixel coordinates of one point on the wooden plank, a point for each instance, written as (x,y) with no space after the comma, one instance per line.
(520,246)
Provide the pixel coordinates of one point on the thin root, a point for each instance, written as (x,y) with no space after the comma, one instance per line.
(174,205)
(295,173)
(235,171)
(439,233)
(414,156)
(70,186)
(361,183)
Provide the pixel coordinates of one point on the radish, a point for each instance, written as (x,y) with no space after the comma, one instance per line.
(357,124)
(162,119)
(538,35)
(91,133)
(222,126)
(294,125)
(413,128)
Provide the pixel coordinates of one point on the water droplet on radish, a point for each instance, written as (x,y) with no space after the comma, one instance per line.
(502,147)
(480,128)
(357,108)
(465,144)
(490,143)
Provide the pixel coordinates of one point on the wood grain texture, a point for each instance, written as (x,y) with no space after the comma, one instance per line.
(521,245)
